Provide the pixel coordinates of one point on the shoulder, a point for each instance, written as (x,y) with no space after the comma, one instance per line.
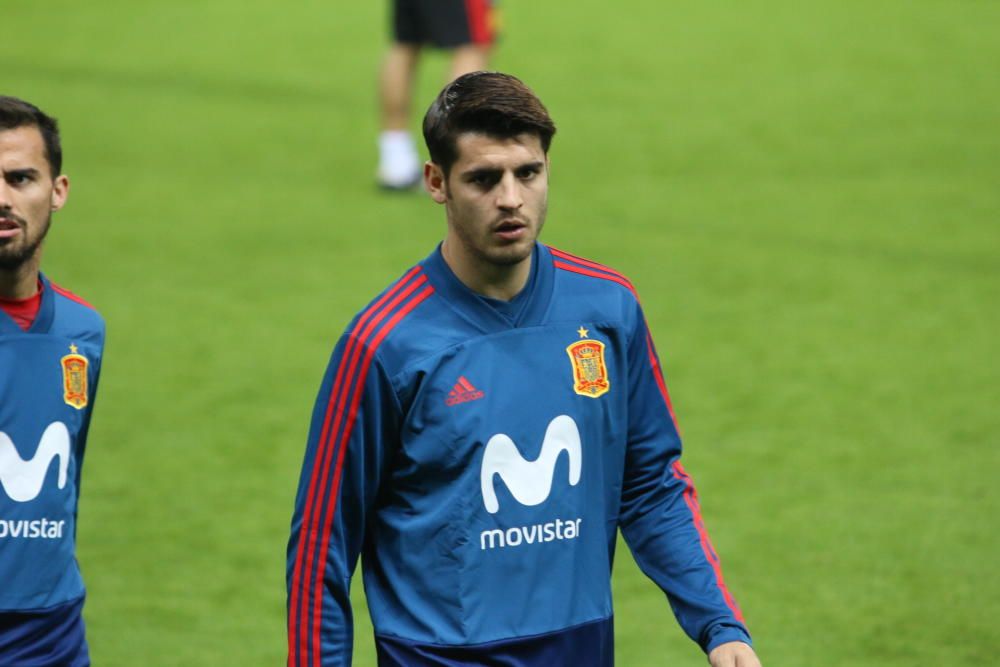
(592,286)
(76,312)
(591,275)
(397,323)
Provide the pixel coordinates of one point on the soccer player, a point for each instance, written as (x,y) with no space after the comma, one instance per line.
(51,343)
(467,29)
(485,428)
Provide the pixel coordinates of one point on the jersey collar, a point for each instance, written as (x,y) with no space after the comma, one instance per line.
(477,311)
(47,310)
(43,320)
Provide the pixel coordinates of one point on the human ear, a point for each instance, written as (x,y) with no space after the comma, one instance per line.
(60,191)
(434,182)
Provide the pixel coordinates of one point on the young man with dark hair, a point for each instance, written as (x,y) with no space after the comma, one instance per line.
(51,345)
(485,428)
(466,29)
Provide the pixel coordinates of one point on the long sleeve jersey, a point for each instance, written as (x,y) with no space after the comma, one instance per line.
(48,383)
(480,461)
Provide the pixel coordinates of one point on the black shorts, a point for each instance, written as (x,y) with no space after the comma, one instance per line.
(444,23)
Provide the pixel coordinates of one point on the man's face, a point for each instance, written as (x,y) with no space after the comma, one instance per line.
(495,196)
(28,196)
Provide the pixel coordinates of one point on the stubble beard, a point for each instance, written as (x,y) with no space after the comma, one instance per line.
(502,256)
(14,256)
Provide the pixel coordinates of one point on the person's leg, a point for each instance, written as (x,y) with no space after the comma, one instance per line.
(399,165)
(469,58)
(396,85)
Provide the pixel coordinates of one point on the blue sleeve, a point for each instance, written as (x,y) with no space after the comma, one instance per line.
(660,517)
(354,423)
(81,439)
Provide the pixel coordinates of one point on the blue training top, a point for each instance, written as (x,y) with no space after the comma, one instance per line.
(48,382)
(481,464)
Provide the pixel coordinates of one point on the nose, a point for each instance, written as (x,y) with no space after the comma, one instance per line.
(509,193)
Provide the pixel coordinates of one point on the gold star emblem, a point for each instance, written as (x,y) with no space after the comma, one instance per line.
(583,332)
(72,348)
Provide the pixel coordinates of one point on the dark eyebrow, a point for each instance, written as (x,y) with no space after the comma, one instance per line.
(477,172)
(494,171)
(27,171)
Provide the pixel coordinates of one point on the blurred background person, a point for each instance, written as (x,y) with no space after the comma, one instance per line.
(466,28)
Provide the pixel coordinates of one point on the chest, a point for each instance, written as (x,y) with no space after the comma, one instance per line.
(524,395)
(44,380)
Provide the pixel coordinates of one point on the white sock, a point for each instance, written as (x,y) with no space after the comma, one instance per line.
(398,163)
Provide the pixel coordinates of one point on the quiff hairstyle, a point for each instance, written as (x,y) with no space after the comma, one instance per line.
(15,113)
(491,103)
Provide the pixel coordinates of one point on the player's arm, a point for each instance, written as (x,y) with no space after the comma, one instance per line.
(95,369)
(355,417)
(660,517)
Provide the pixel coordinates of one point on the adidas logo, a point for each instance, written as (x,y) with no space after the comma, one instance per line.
(463,392)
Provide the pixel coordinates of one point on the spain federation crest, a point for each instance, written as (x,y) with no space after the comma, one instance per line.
(590,374)
(74,368)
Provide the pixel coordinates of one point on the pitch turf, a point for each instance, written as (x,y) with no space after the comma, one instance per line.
(807,195)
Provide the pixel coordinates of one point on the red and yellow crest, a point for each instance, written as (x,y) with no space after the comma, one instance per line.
(590,374)
(74,368)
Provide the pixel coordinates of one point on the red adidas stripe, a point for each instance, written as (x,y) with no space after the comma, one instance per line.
(466,385)
(352,352)
(661,383)
(562,254)
(595,274)
(347,369)
(691,499)
(318,477)
(69,295)
(342,447)
(322,460)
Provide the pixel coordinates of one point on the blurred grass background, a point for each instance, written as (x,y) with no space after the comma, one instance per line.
(806,195)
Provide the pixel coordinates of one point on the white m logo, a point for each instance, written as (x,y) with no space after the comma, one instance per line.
(530,481)
(22,480)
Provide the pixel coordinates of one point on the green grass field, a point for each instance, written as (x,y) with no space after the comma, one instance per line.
(807,195)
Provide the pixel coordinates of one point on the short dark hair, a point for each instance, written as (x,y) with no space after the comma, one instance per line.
(15,113)
(492,103)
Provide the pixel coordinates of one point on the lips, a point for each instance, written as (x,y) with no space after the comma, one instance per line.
(9,228)
(510,230)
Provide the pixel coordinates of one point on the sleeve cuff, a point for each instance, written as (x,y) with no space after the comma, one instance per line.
(727,633)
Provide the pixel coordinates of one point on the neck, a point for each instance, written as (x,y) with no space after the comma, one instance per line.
(497,281)
(20,282)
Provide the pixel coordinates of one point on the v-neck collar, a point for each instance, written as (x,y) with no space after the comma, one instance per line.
(470,306)
(43,320)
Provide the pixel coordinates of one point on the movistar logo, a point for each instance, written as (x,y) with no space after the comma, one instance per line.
(530,481)
(22,479)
